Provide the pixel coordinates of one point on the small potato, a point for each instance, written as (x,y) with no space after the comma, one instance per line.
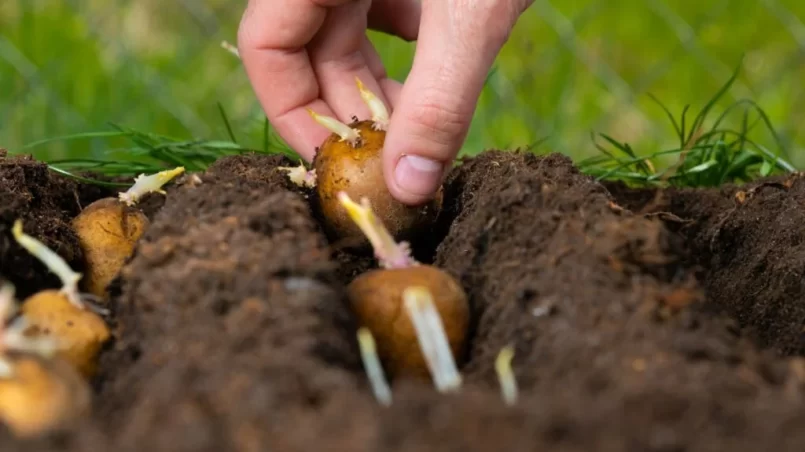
(376,299)
(81,332)
(41,396)
(107,231)
(357,170)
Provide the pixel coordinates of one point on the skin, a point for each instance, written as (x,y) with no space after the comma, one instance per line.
(303,54)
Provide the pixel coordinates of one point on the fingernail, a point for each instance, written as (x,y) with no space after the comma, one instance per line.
(418,175)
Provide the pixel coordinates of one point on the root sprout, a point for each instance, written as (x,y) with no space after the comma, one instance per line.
(374,370)
(146,184)
(53,262)
(432,338)
(503,367)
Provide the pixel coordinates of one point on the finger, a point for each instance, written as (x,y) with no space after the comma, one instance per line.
(271,41)
(396,17)
(458,44)
(337,58)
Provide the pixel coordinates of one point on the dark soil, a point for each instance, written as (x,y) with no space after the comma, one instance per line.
(749,240)
(232,332)
(46,203)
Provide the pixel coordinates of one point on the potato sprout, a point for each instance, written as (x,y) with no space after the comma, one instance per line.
(146,184)
(300,175)
(503,367)
(53,262)
(432,338)
(374,370)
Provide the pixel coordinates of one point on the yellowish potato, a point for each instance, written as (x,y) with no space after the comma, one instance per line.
(108,231)
(41,396)
(357,170)
(376,299)
(80,332)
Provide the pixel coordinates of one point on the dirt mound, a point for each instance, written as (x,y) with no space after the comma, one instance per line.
(232,332)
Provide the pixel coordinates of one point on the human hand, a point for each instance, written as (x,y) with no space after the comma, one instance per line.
(306,54)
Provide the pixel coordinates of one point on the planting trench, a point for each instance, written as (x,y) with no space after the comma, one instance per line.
(232,332)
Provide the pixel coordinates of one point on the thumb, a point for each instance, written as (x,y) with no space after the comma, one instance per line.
(458,42)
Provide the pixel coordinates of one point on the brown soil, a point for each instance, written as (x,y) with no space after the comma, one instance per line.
(232,332)
(749,243)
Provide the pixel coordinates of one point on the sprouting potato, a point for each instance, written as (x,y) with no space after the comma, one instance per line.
(81,332)
(63,314)
(108,230)
(37,393)
(41,395)
(349,160)
(379,298)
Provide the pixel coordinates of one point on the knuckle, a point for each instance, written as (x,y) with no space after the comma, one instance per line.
(443,122)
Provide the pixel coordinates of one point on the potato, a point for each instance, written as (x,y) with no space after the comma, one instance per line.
(376,299)
(358,172)
(349,161)
(41,395)
(80,332)
(107,230)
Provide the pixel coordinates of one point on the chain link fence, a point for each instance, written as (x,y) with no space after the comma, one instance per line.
(569,69)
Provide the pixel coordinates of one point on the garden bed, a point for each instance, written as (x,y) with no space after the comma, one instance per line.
(641,320)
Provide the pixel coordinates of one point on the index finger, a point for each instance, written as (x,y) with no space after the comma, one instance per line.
(271,42)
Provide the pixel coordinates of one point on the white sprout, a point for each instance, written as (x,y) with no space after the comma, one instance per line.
(374,370)
(389,253)
(13,337)
(344,131)
(53,262)
(146,184)
(380,115)
(432,338)
(503,366)
(300,175)
(230,48)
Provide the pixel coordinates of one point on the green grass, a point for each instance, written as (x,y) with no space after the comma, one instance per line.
(571,69)
(707,155)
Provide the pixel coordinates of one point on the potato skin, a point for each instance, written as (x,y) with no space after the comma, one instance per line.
(358,171)
(82,331)
(376,300)
(42,396)
(107,232)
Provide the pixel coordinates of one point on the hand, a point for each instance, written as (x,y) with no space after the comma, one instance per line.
(303,54)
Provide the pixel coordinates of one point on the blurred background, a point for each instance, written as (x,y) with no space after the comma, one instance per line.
(571,68)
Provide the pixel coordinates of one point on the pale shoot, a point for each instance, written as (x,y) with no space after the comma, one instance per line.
(300,175)
(374,370)
(53,262)
(230,48)
(503,367)
(380,115)
(13,337)
(146,184)
(389,253)
(347,133)
(432,338)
